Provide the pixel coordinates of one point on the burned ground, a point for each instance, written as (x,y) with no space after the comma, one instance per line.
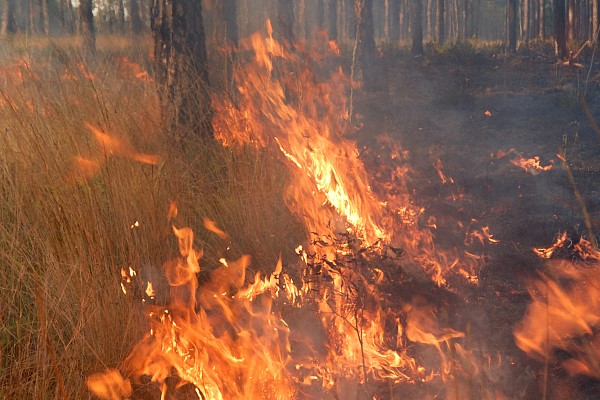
(463,113)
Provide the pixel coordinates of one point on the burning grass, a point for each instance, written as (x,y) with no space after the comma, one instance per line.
(78,203)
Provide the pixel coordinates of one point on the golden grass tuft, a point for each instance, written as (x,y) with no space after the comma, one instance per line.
(66,222)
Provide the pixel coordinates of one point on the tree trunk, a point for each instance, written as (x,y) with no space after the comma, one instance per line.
(594,21)
(332,24)
(440,27)
(67,19)
(137,25)
(428,18)
(9,23)
(181,67)
(364,48)
(542,20)
(284,21)
(395,21)
(526,21)
(465,20)
(45,17)
(87,29)
(120,16)
(417,27)
(571,21)
(512,26)
(560,36)
(31,23)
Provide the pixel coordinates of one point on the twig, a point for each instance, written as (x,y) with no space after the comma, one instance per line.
(589,116)
(584,211)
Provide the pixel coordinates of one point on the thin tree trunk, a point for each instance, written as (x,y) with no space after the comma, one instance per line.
(542,20)
(395,21)
(9,23)
(46,17)
(386,20)
(364,51)
(594,21)
(560,36)
(87,29)
(120,16)
(67,18)
(571,21)
(512,26)
(332,24)
(181,67)
(440,27)
(284,21)
(417,27)
(429,21)
(137,25)
(31,25)
(526,21)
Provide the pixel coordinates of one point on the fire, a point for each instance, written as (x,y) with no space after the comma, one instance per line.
(230,336)
(108,146)
(225,339)
(564,315)
(532,165)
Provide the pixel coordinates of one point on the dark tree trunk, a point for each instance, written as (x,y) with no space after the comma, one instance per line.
(137,25)
(594,21)
(525,22)
(332,24)
(542,20)
(87,29)
(440,27)
(9,21)
(417,27)
(31,25)
(230,18)
(364,49)
(181,67)
(284,21)
(395,21)
(320,14)
(512,26)
(120,16)
(45,18)
(560,35)
(67,19)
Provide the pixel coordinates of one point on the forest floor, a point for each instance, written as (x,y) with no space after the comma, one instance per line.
(463,111)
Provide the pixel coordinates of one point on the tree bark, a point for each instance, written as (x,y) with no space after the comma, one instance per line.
(137,25)
(284,21)
(230,18)
(181,68)
(120,16)
(364,49)
(417,27)
(394,21)
(571,21)
(332,24)
(542,20)
(45,18)
(512,26)
(440,27)
(560,36)
(87,29)
(9,23)
(594,21)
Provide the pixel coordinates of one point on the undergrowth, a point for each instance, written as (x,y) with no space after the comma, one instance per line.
(74,211)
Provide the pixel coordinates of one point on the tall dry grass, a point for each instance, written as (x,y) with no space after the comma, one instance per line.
(65,232)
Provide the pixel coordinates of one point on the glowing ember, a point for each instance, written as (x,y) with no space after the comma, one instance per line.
(530,165)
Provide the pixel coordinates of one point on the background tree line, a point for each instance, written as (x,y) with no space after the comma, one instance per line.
(394,22)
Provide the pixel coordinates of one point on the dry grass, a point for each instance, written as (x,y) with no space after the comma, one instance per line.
(64,237)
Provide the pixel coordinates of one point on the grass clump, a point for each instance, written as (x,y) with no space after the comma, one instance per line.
(69,206)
